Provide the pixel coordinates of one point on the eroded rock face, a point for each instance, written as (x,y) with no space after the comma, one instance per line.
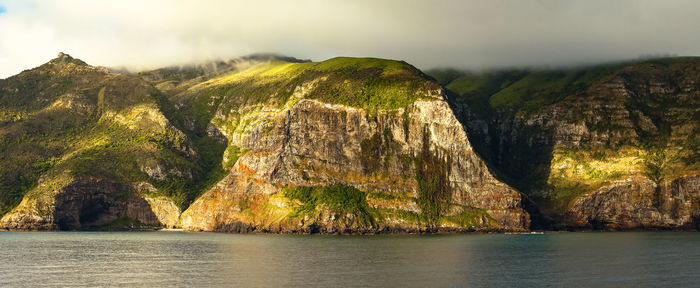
(593,157)
(318,144)
(638,202)
(92,203)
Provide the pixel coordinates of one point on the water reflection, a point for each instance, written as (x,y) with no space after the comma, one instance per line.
(161,259)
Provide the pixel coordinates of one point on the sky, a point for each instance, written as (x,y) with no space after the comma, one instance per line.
(467,34)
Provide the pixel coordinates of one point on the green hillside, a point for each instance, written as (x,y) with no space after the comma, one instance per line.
(66,118)
(367,83)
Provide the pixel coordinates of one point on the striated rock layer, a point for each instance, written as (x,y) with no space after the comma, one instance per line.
(318,144)
(638,202)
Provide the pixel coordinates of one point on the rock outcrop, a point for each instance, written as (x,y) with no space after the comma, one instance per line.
(639,203)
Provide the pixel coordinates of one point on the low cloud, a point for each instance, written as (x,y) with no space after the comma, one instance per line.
(464,34)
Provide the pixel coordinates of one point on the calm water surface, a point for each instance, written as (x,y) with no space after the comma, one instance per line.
(172,259)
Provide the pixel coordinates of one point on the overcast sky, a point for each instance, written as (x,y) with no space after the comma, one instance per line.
(142,34)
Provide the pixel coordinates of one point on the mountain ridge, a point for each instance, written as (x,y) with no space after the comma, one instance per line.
(350,145)
(249,105)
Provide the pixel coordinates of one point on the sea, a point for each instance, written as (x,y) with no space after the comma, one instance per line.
(180,259)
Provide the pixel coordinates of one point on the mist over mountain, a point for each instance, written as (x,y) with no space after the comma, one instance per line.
(472,35)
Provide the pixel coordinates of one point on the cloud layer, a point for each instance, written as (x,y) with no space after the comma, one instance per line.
(466,34)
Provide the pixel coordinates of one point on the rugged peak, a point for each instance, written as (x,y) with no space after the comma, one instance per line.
(64,58)
(62,55)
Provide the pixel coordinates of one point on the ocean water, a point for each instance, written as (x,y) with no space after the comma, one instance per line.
(176,259)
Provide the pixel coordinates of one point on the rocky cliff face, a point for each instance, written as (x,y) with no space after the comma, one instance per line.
(638,202)
(342,146)
(597,147)
(317,144)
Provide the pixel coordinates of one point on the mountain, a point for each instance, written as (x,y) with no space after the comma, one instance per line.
(85,148)
(343,145)
(263,143)
(606,147)
(267,143)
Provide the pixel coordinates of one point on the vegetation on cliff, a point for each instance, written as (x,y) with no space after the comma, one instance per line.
(338,198)
(434,191)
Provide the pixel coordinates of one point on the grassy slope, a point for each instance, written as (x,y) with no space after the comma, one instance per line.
(531,90)
(571,171)
(360,82)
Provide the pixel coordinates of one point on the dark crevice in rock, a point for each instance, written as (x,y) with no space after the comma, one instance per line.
(513,154)
(94,204)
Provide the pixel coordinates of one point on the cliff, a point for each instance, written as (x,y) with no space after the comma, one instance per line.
(605,147)
(341,146)
(393,173)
